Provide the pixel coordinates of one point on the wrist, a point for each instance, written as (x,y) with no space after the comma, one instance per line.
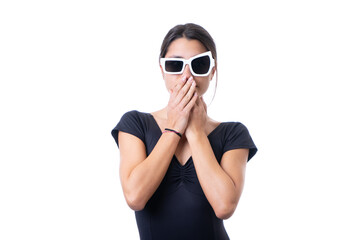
(175,126)
(195,136)
(169,130)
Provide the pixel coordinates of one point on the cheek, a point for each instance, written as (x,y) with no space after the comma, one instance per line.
(170,82)
(203,84)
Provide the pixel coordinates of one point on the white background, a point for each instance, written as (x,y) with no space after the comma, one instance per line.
(288,70)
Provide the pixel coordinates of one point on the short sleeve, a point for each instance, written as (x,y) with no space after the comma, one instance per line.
(131,122)
(237,137)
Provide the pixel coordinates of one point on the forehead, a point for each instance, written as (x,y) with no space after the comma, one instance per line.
(185,48)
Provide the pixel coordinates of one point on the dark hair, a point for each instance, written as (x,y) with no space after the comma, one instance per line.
(194,32)
(189,31)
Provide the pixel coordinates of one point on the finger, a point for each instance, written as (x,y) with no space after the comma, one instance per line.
(188,96)
(184,90)
(179,85)
(191,104)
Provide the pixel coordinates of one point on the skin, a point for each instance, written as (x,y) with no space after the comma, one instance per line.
(186,112)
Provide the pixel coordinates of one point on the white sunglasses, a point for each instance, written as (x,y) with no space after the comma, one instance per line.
(200,65)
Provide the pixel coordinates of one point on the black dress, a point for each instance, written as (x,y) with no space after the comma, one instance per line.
(179,209)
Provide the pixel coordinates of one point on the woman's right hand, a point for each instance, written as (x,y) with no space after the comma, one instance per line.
(182,99)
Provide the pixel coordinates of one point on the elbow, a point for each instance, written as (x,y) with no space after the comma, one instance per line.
(135,202)
(225,211)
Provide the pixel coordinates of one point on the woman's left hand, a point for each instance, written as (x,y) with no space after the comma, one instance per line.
(197,119)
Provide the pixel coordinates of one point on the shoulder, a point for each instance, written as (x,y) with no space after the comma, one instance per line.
(233,130)
(134,114)
(133,122)
(225,128)
(228,126)
(234,127)
(236,135)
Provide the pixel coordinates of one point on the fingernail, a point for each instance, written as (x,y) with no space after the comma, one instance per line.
(190,79)
(183,79)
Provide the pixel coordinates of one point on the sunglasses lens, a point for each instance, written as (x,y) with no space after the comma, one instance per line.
(173,66)
(201,65)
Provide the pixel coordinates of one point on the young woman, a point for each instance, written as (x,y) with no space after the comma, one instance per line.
(181,171)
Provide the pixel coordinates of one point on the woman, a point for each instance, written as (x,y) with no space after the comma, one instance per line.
(181,171)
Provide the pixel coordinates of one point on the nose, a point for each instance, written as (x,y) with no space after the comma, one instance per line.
(187,71)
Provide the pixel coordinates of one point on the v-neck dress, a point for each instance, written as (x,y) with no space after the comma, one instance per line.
(179,209)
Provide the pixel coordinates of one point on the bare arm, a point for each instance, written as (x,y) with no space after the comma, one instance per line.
(141,175)
(222,184)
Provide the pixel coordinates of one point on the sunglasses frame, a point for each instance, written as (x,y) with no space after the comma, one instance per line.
(188,62)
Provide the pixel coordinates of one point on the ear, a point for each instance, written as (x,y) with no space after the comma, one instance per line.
(162,71)
(212,74)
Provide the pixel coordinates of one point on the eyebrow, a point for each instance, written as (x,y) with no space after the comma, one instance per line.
(175,56)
